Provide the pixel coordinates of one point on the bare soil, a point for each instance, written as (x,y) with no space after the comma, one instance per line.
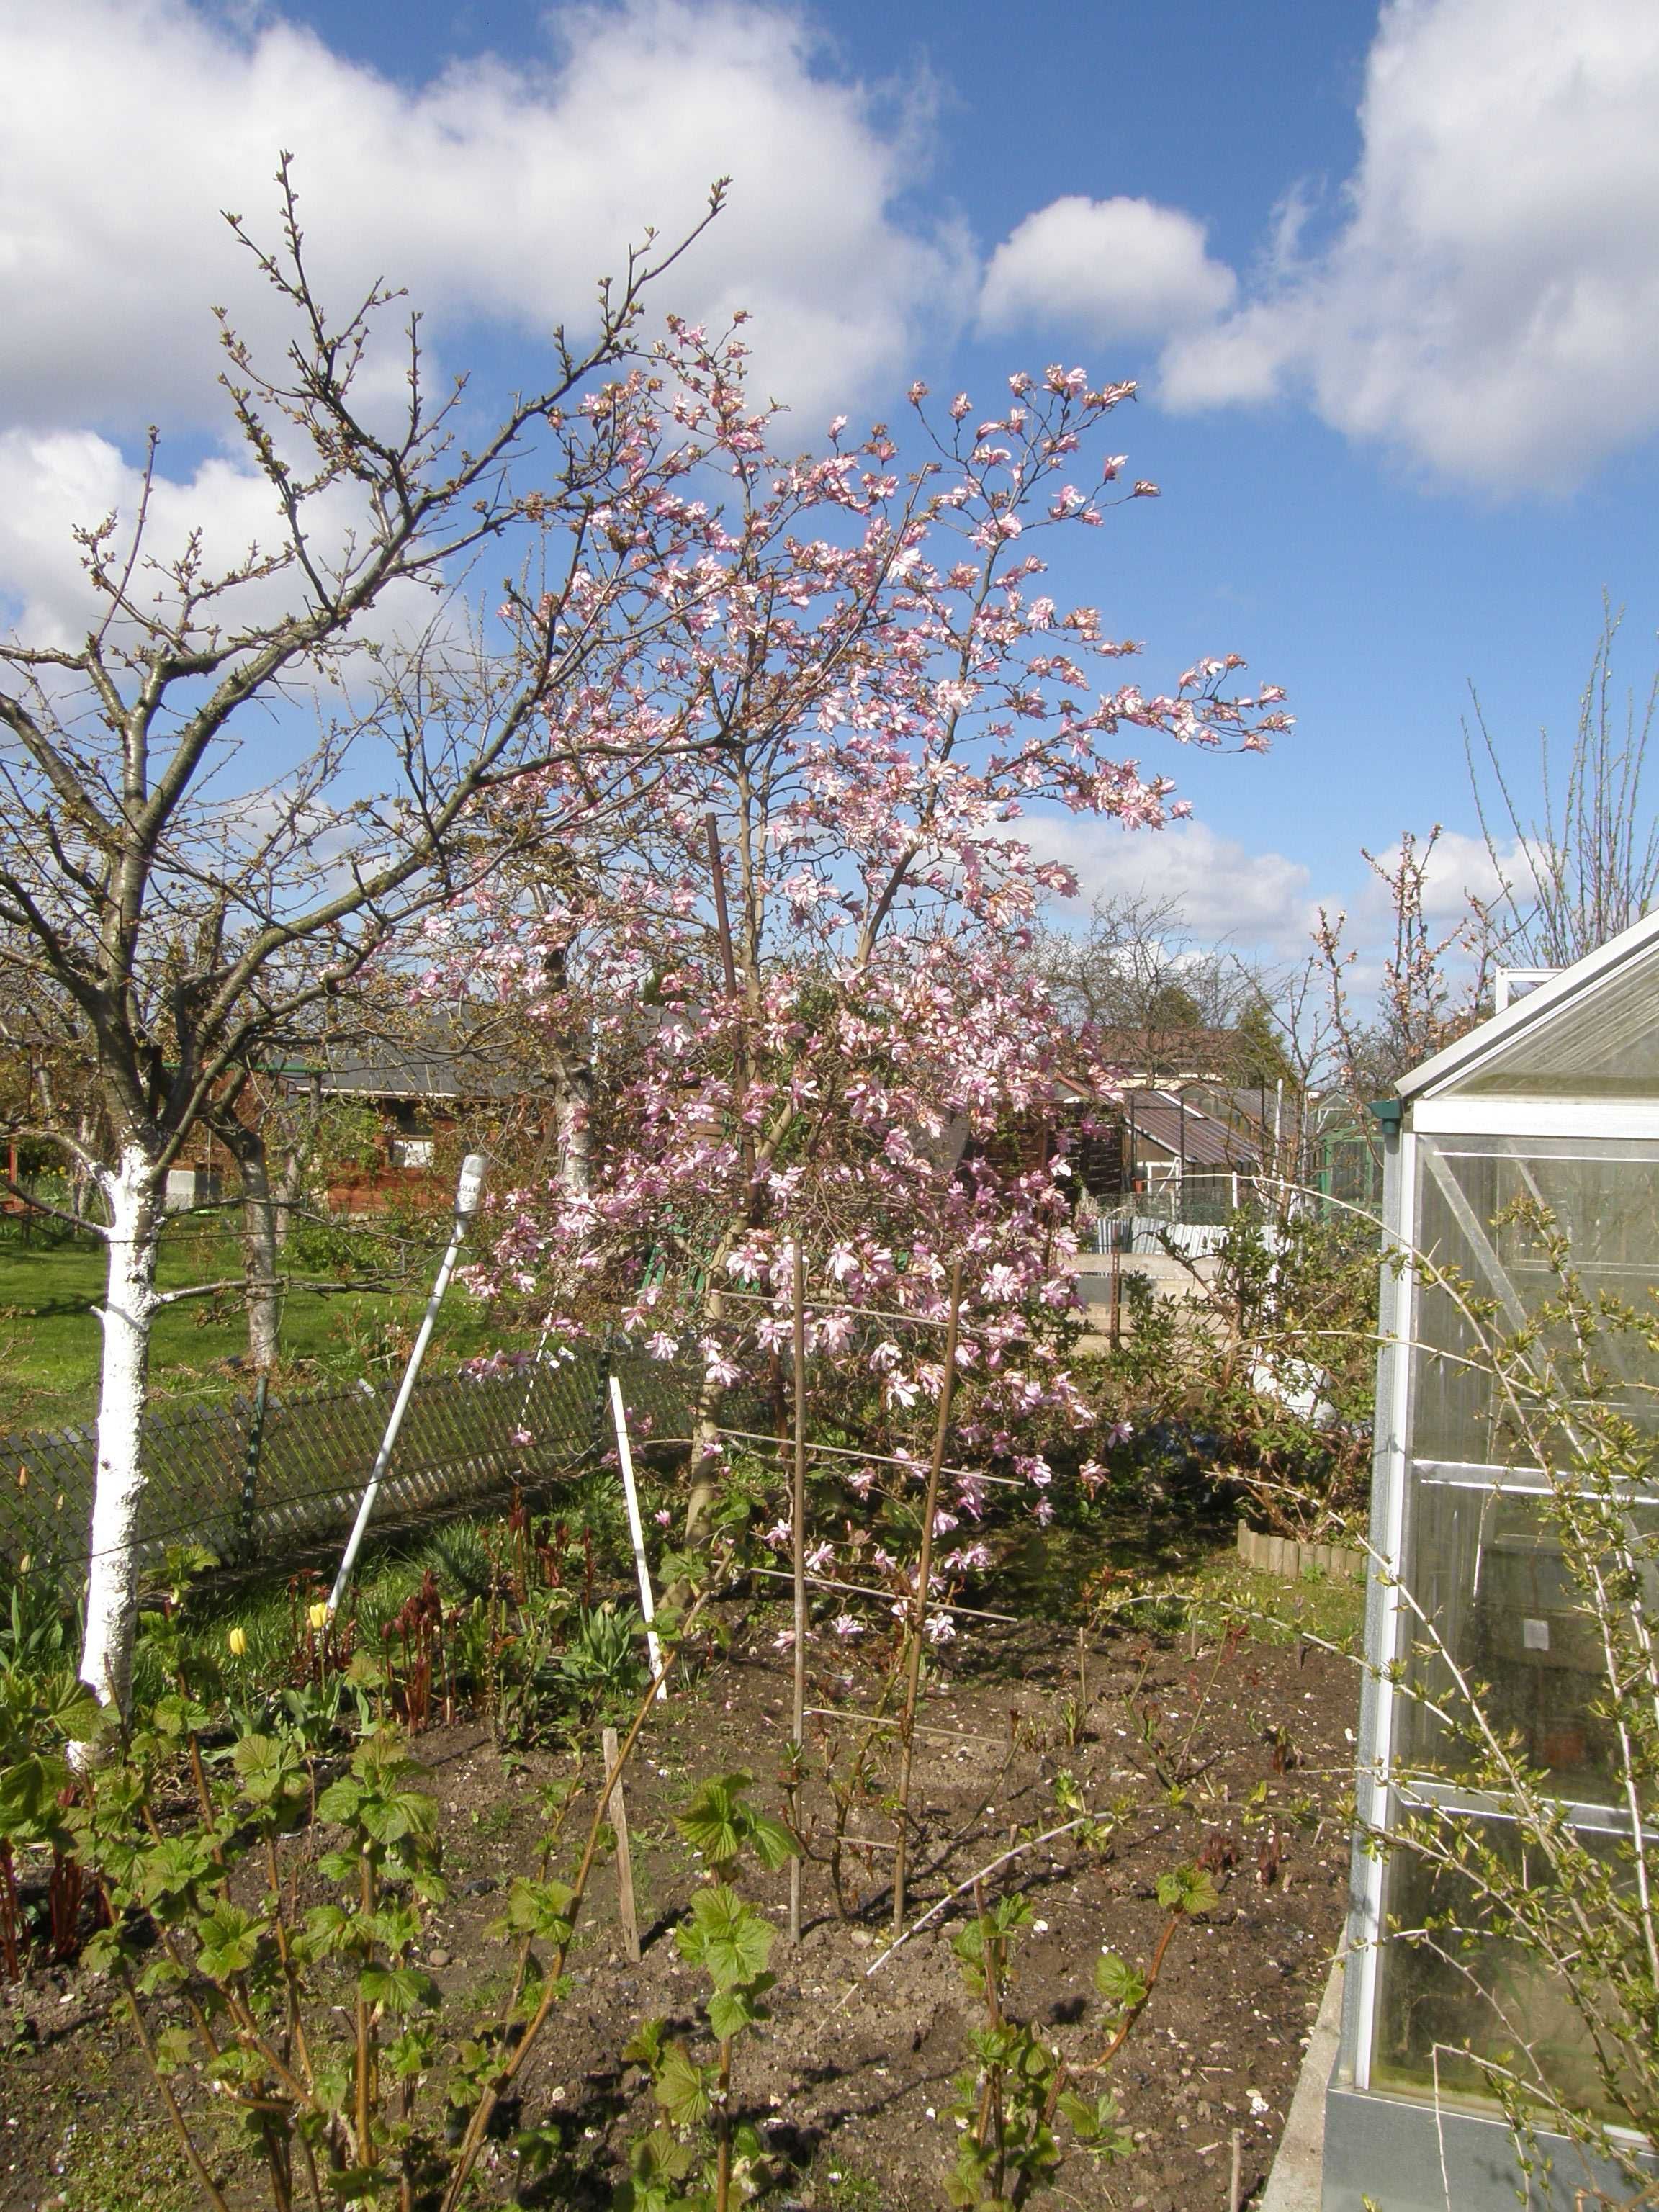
(851,2081)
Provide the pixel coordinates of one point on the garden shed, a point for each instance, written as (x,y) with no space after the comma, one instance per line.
(1536,1133)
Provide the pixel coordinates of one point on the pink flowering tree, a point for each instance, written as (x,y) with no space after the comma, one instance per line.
(800,971)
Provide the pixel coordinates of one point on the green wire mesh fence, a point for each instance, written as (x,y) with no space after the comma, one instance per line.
(262,1481)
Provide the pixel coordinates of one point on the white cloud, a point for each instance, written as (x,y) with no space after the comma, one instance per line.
(1490,305)
(1117,268)
(490,194)
(1225,893)
(53,482)
(1460,869)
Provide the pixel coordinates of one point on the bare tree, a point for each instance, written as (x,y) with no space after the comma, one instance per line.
(1587,865)
(1137,972)
(177,916)
(1433,984)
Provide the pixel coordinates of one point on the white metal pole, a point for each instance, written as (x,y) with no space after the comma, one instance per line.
(636,1530)
(468,1192)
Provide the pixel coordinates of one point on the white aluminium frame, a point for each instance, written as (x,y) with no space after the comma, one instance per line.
(1609,1120)
(1397,1303)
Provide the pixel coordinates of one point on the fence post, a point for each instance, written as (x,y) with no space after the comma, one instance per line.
(256,1436)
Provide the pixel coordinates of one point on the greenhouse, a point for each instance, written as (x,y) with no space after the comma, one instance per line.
(1522,1222)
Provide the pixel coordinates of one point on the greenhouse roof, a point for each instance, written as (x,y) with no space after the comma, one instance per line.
(1591,1031)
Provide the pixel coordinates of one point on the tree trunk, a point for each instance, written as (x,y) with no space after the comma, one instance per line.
(247,1146)
(287,1193)
(573,1117)
(132,1192)
(259,1259)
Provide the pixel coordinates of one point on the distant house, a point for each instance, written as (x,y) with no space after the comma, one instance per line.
(1144,1140)
(418,1095)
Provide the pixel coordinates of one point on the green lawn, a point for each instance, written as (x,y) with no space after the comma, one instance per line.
(49,1337)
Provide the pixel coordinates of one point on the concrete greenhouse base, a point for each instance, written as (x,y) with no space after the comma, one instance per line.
(1402,2156)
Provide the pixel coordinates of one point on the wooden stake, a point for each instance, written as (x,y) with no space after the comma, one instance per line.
(618,1810)
(919,1617)
(798,1525)
(1235,2192)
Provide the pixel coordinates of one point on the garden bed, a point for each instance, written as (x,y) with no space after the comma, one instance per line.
(1234,1753)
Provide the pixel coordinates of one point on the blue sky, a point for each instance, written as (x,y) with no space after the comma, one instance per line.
(1390,284)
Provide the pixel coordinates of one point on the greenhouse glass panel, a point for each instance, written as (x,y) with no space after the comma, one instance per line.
(1604,1045)
(1487,1211)
(1458,1993)
(1503,1608)
(1506,1783)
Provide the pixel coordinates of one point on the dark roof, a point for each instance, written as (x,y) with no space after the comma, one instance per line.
(425,1067)
(1187,1134)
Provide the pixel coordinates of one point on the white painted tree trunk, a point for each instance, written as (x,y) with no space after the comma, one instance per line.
(573,1115)
(259,1259)
(132,1192)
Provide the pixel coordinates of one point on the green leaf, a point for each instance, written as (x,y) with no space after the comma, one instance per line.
(329,1928)
(173,1869)
(1118,1982)
(724,1937)
(29,1789)
(733,2010)
(720,1823)
(228,1940)
(103,1952)
(682,2088)
(340,1801)
(1010,1914)
(1096,2126)
(713,1822)
(661,2157)
(268,1770)
(385,1819)
(160,1973)
(540,1910)
(773,1843)
(397,1990)
(174,2048)
(645,2046)
(408,2056)
(1188,1889)
(364,2183)
(395,1925)
(178,1716)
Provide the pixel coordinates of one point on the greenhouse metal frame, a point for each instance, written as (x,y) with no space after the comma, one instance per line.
(1555,1100)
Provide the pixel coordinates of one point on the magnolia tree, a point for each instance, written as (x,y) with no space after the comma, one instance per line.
(802,977)
(169,920)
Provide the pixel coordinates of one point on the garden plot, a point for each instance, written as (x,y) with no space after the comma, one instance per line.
(1231,1755)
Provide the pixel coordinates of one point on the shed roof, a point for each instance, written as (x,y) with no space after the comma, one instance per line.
(1186,1133)
(1591,1031)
